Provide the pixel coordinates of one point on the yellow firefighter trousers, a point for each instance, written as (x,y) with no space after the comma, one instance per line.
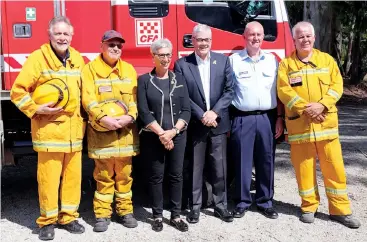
(113,179)
(329,154)
(52,166)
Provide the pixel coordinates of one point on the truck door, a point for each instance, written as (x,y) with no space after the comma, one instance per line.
(228,20)
(90,20)
(24,29)
(141,22)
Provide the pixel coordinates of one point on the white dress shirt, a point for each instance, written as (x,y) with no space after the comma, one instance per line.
(204,69)
(254,81)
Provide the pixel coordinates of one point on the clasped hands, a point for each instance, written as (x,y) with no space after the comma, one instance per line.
(315,111)
(209,119)
(166,138)
(116,123)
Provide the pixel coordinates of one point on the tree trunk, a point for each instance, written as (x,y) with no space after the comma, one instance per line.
(336,39)
(306,11)
(355,68)
(320,15)
(338,54)
(348,58)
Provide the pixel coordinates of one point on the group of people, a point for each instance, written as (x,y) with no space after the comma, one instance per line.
(190,110)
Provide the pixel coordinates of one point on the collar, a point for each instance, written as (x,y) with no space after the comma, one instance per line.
(312,60)
(154,73)
(63,60)
(171,77)
(244,55)
(104,70)
(199,60)
(54,62)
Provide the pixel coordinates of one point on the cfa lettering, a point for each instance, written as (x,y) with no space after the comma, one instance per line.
(148,38)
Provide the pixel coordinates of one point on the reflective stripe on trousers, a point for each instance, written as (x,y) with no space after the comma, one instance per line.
(113,180)
(329,154)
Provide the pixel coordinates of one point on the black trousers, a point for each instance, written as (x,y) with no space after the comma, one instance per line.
(211,150)
(161,161)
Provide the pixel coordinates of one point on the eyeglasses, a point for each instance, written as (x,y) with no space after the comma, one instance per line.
(112,45)
(207,40)
(161,56)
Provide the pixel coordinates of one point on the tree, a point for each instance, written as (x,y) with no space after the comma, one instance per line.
(320,15)
(360,28)
(340,29)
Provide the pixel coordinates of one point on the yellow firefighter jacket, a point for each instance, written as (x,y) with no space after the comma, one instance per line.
(64,131)
(299,84)
(101,83)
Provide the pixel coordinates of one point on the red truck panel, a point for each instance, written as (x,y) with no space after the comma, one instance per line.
(139,56)
(15,12)
(90,20)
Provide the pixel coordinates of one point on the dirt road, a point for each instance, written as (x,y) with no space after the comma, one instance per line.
(19,204)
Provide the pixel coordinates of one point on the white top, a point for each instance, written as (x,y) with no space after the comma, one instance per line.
(254,81)
(204,69)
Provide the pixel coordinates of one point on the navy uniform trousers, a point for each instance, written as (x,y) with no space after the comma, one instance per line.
(252,141)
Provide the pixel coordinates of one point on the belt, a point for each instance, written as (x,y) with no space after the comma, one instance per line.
(237,112)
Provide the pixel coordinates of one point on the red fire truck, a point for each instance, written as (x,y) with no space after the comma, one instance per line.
(24,23)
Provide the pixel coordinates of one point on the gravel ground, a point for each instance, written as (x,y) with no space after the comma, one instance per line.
(19,204)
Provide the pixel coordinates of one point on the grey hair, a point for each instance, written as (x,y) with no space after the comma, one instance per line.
(159,44)
(59,19)
(300,25)
(201,28)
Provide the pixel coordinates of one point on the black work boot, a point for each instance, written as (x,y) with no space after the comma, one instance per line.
(47,232)
(128,220)
(74,227)
(101,224)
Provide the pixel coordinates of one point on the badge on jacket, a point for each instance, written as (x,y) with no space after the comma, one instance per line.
(295,81)
(243,74)
(103,89)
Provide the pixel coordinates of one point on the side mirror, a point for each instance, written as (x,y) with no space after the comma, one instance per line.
(187,41)
(269,37)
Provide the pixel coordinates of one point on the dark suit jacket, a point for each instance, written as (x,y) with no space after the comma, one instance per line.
(150,100)
(221,91)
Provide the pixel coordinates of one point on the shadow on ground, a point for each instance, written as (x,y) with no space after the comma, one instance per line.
(19,198)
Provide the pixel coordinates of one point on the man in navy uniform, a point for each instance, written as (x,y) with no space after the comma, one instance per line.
(257,122)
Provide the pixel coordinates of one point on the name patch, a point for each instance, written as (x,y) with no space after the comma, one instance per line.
(295,81)
(244,74)
(103,89)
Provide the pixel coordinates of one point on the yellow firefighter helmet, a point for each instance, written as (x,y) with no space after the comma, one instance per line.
(54,90)
(112,109)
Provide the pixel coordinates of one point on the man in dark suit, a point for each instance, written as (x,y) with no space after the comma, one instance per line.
(209,81)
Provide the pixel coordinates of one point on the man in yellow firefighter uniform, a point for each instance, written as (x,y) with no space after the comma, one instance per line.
(104,79)
(57,132)
(309,85)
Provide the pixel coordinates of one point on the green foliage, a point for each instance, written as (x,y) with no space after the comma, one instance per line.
(295,11)
(351,16)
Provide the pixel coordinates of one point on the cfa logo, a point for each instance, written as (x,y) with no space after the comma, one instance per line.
(147,31)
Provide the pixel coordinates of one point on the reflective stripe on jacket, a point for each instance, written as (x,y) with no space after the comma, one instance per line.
(300,83)
(102,83)
(64,131)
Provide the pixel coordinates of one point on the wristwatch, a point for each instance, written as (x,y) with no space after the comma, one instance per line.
(177,130)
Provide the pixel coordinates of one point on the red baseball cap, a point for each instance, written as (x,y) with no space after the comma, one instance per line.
(112,34)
